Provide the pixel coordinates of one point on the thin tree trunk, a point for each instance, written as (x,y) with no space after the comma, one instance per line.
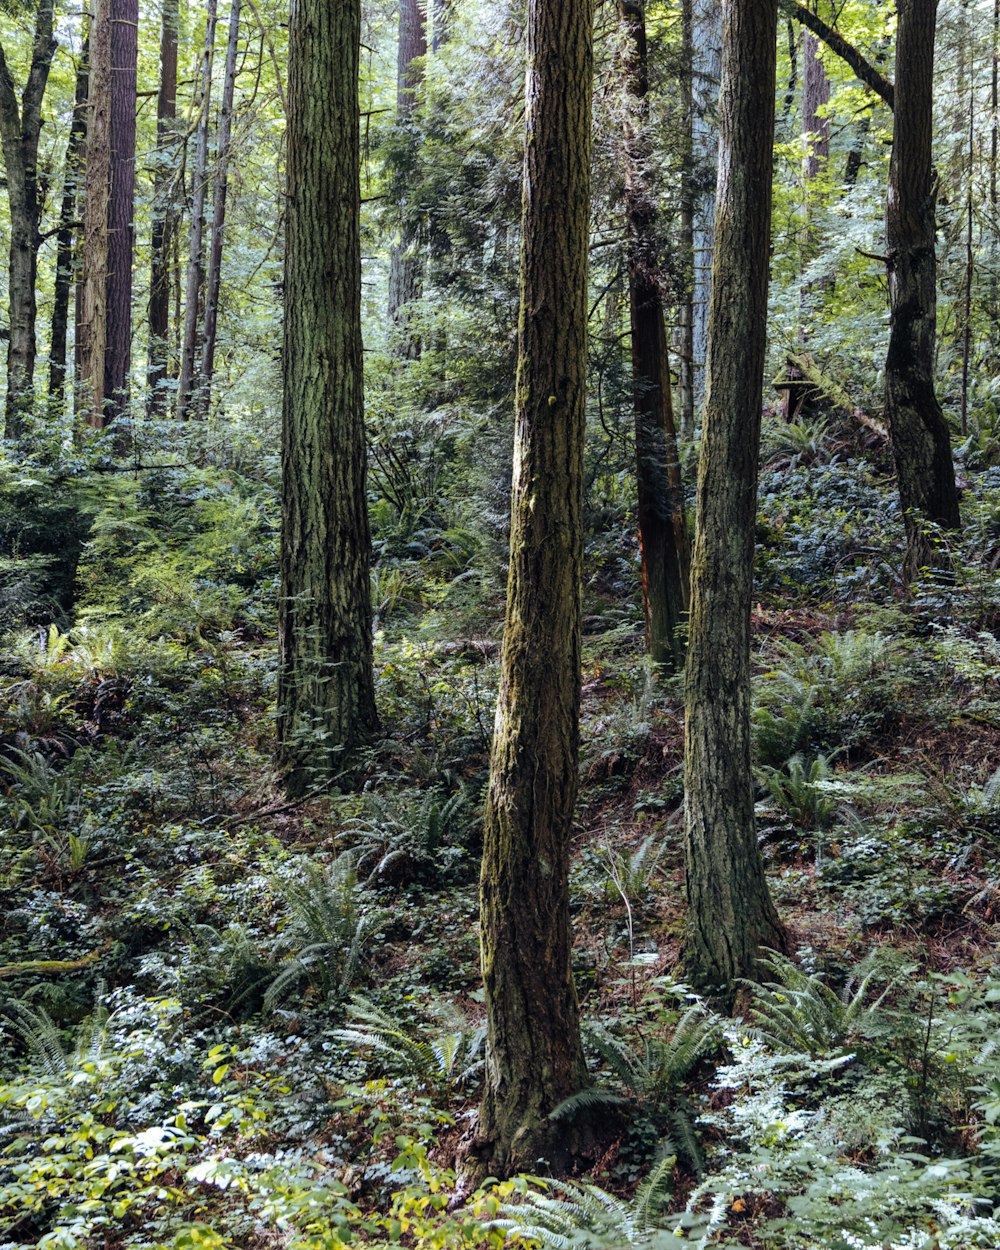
(92,294)
(706,35)
(20,128)
(195,267)
(121,209)
(164,214)
(685,328)
(730,913)
(214,280)
(404,260)
(534,1057)
(65,254)
(326,693)
(662,529)
(920,438)
(970,267)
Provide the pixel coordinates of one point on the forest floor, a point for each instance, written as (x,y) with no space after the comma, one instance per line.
(236,1021)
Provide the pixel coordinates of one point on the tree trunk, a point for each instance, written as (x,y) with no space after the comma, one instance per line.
(730,913)
(662,529)
(920,439)
(214,280)
(164,214)
(92,294)
(326,699)
(121,208)
(684,338)
(187,382)
(534,1057)
(65,254)
(404,261)
(20,128)
(815,97)
(706,32)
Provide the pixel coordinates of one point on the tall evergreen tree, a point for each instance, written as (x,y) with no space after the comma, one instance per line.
(164,211)
(730,914)
(326,699)
(534,1057)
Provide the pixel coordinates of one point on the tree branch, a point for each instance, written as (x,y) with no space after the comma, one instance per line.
(835,41)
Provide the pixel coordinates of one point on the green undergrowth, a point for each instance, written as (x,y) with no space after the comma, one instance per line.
(233,1021)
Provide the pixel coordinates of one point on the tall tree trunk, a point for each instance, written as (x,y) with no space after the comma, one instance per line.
(815,98)
(404,261)
(20,128)
(685,328)
(706,32)
(662,530)
(326,696)
(164,214)
(121,208)
(920,439)
(214,280)
(730,913)
(534,1057)
(187,382)
(92,293)
(66,266)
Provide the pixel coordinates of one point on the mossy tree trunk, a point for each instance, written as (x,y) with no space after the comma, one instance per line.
(730,914)
(326,700)
(663,539)
(534,1057)
(20,129)
(920,439)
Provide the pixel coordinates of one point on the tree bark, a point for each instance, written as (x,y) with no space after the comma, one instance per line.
(730,913)
(164,214)
(663,538)
(20,128)
(534,1057)
(920,438)
(684,338)
(187,381)
(706,43)
(121,208)
(815,96)
(326,699)
(92,293)
(65,253)
(213,282)
(404,261)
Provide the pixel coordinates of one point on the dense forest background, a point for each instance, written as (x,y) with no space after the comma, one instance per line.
(241,993)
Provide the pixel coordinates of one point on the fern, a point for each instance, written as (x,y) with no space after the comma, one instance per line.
(569,1214)
(799,1012)
(450,1059)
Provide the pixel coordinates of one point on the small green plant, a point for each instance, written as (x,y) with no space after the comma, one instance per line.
(800,1013)
(441,1060)
(327,933)
(407,837)
(798,791)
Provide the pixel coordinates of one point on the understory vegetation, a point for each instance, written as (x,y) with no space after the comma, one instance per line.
(230,1019)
